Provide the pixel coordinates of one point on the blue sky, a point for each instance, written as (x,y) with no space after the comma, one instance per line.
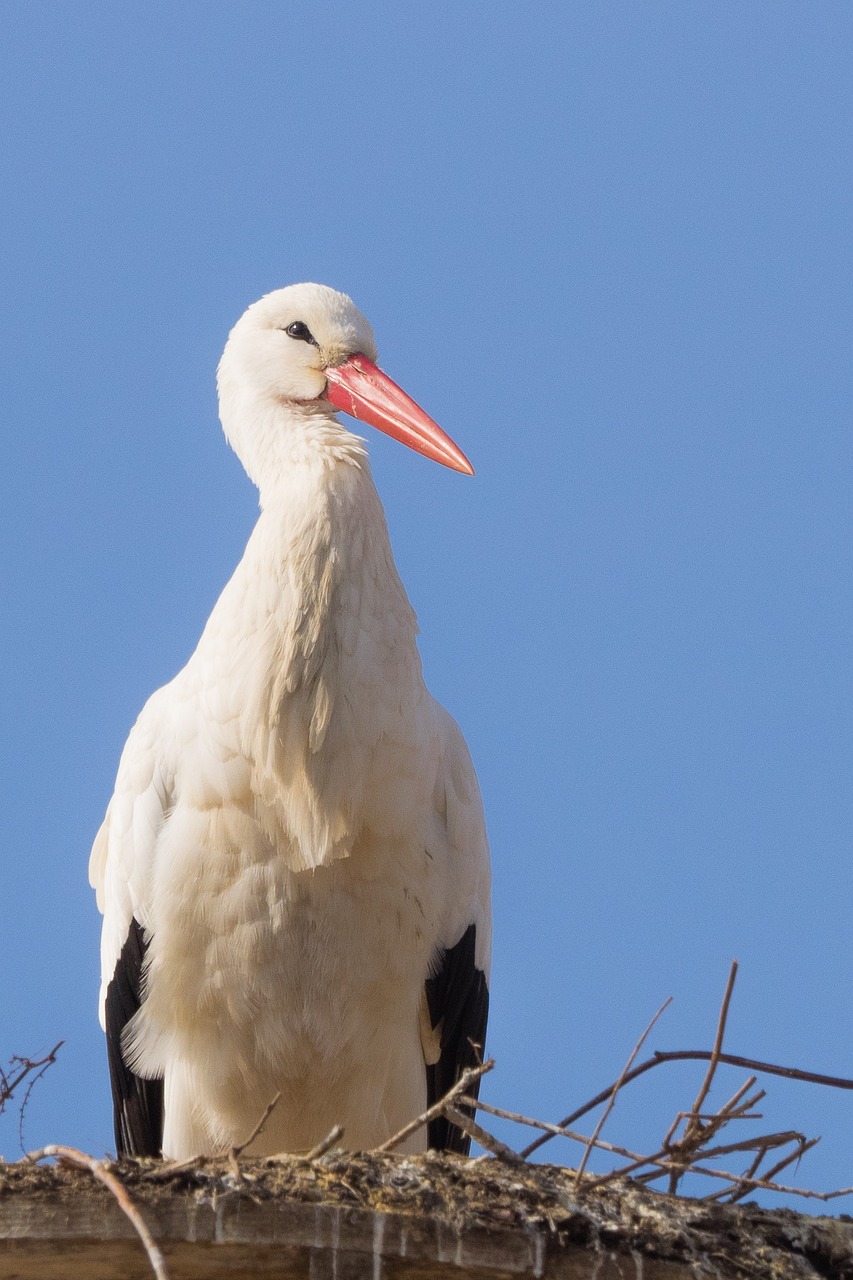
(607,246)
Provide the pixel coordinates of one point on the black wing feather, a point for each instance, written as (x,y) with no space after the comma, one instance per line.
(137,1103)
(458,998)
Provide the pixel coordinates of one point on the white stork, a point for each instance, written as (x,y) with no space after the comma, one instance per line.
(293,868)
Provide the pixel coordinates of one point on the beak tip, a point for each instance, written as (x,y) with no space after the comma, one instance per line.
(460,463)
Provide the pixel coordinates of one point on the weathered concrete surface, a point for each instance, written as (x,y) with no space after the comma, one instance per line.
(388,1217)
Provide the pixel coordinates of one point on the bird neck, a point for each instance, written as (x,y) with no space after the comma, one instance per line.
(323,539)
(281,442)
(337,671)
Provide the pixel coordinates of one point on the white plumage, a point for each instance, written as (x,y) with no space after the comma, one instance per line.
(296,827)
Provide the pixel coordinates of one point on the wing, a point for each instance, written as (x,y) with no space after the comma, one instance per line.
(458,1002)
(137,1103)
(120,870)
(457,992)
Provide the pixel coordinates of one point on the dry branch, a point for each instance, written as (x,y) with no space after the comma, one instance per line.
(678,1156)
(697,1132)
(25,1067)
(34,1068)
(334,1135)
(689,1055)
(99,1170)
(612,1100)
(463,1084)
(715,1052)
(247,1142)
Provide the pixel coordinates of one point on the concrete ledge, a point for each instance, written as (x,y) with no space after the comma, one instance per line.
(389,1217)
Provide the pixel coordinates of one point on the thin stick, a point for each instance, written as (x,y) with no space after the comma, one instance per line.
(660,1159)
(739,1192)
(695,1131)
(713,1123)
(283,1157)
(753,1064)
(612,1101)
(804,1146)
(479,1134)
(709,1116)
(98,1169)
(748,1144)
(692,1055)
(750,1173)
(334,1135)
(241,1147)
(31,1084)
(758,1184)
(763,1184)
(717,1049)
(729,1108)
(767,1142)
(8,1087)
(553,1129)
(469,1075)
(669,1162)
(163,1172)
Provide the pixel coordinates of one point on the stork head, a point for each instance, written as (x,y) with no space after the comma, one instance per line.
(305,351)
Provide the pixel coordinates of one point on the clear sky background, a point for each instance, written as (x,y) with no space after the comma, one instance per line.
(607,245)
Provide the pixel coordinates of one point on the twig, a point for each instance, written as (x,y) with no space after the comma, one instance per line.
(661,1158)
(731,1196)
(766,1142)
(770,1176)
(334,1135)
(8,1087)
(469,1075)
(98,1169)
(553,1129)
(664,1161)
(486,1140)
(731,1107)
(717,1049)
(612,1101)
(750,1173)
(690,1055)
(699,1129)
(163,1172)
(804,1146)
(709,1116)
(764,1184)
(696,1131)
(752,1064)
(556,1132)
(233,1153)
(680,1158)
(238,1150)
(728,1111)
(31,1084)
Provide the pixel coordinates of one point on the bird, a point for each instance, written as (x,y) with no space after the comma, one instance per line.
(293,868)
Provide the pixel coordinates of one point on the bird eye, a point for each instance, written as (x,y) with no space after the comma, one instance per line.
(300,331)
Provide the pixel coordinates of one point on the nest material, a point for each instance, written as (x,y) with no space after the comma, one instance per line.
(439,1213)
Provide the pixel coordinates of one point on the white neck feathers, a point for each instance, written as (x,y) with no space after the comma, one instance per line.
(278,442)
(330,672)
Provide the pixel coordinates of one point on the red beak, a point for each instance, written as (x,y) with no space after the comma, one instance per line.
(361,389)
